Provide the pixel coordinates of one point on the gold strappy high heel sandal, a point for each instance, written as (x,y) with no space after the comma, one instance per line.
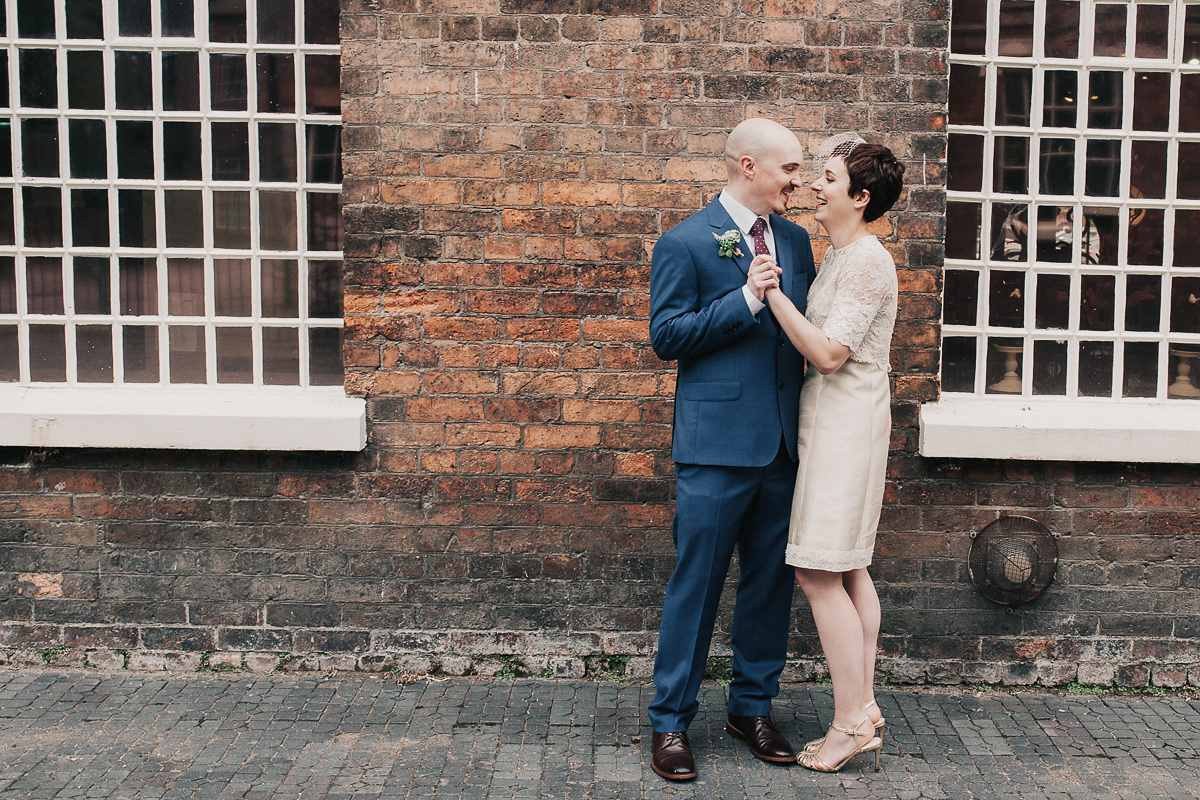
(815,744)
(811,759)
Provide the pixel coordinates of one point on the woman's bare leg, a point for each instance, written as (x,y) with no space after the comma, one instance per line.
(861,590)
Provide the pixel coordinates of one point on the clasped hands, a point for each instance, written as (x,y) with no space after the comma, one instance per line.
(763,276)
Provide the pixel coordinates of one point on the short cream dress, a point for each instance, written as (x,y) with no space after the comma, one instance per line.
(845,417)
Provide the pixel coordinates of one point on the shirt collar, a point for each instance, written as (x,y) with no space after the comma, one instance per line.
(742,216)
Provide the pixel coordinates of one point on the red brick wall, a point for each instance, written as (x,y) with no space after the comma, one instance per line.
(509,165)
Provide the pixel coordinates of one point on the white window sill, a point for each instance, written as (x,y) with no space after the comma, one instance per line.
(1039,429)
(189,418)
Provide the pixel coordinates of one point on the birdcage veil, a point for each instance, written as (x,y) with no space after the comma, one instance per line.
(838,145)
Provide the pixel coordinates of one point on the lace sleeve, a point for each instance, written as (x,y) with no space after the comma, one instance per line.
(862,288)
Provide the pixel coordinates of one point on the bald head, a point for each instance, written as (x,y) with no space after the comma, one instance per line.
(763,160)
(754,137)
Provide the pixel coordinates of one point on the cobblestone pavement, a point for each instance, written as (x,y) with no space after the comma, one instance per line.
(87,735)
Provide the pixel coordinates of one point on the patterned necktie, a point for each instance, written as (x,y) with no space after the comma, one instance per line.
(757,233)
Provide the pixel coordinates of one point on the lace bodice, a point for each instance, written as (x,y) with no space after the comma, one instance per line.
(853,299)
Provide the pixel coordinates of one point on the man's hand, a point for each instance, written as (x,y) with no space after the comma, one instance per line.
(762,275)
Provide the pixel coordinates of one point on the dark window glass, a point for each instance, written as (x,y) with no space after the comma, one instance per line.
(1153,32)
(231,220)
(1188,178)
(277,220)
(325,153)
(967,90)
(39,78)
(93,353)
(227,20)
(1101,235)
(1054,233)
(136,217)
(5,149)
(1060,99)
(1187,222)
(958,364)
(962,230)
(181,81)
(85,19)
(1151,100)
(321,21)
(277,21)
(1010,232)
(88,147)
(280,288)
(8,233)
(1003,366)
(1014,96)
(139,348)
(1110,30)
(1145,233)
(4,79)
(1105,102)
(281,356)
(93,286)
(35,19)
(1095,369)
(276,151)
(139,286)
(39,147)
(1102,172)
(1057,164)
(1141,369)
(135,149)
(1191,35)
(325,357)
(89,217)
(44,285)
(1062,28)
(85,79)
(134,89)
(1049,367)
(10,354)
(1097,294)
(276,82)
(1143,302)
(1010,165)
(181,151)
(1006,299)
(324,221)
(232,293)
(235,355)
(323,93)
(325,289)
(178,18)
(1185,304)
(1189,102)
(230,151)
(8,285)
(42,212)
(964,161)
(186,354)
(133,17)
(962,297)
(1148,171)
(185,287)
(184,212)
(228,87)
(968,27)
(1053,306)
(48,353)
(1016,27)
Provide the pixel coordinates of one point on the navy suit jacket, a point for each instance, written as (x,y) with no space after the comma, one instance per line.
(738,389)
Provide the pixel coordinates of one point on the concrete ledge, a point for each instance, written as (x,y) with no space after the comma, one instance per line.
(1061,430)
(187,418)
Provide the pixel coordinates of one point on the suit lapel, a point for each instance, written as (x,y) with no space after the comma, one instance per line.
(720,221)
(783,255)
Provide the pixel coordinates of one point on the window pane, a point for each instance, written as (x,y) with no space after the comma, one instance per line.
(92,286)
(235,355)
(967,89)
(4,79)
(185,287)
(1102,171)
(1187,222)
(1095,369)
(227,20)
(1057,165)
(48,353)
(1010,165)
(1189,103)
(231,220)
(231,287)
(323,91)
(968,26)
(281,356)
(39,147)
(1148,172)
(1101,235)
(133,17)
(277,151)
(88,147)
(962,230)
(181,151)
(139,347)
(8,285)
(1062,28)
(276,83)
(94,353)
(321,21)
(324,221)
(1097,295)
(1188,178)
(10,354)
(1151,101)
(1053,308)
(1153,32)
(42,212)
(958,364)
(8,233)
(325,153)
(1191,35)
(1141,369)
(184,211)
(1146,236)
(39,78)
(964,162)
(85,79)
(325,289)
(1054,234)
(962,297)
(1182,366)
(1106,93)
(137,218)
(85,19)
(44,285)
(1143,302)
(1060,98)
(228,87)
(1006,299)
(5,149)
(230,151)
(135,149)
(277,220)
(178,18)
(1110,30)
(181,81)
(277,21)
(35,19)
(325,357)
(139,287)
(134,89)
(89,217)
(1004,366)
(1014,96)
(1016,27)
(1050,367)
(280,288)
(186,359)
(1185,304)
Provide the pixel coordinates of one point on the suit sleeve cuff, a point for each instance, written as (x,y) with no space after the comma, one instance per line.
(753,302)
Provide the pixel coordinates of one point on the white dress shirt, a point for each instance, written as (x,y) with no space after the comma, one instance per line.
(744,218)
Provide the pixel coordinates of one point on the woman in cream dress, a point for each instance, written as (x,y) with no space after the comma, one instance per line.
(845,423)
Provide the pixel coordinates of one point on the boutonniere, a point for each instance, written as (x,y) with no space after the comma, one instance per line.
(727,243)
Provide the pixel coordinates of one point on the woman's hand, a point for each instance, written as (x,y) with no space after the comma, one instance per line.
(762,276)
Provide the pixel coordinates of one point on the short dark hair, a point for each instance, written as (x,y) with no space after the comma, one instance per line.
(873,167)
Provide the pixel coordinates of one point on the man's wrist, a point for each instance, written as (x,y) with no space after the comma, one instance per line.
(753,303)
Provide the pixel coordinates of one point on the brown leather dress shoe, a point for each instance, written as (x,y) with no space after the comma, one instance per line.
(672,756)
(765,740)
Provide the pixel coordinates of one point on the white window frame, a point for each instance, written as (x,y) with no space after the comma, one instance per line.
(190,416)
(1038,427)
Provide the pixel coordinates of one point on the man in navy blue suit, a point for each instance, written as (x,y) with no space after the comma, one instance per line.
(736,408)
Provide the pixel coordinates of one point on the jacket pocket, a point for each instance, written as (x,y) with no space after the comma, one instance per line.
(711,390)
